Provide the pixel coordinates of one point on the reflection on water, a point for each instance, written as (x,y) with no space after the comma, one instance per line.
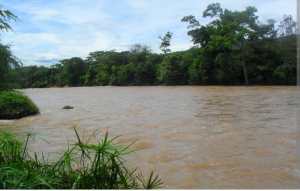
(195,137)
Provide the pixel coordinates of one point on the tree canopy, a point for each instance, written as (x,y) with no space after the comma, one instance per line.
(232,48)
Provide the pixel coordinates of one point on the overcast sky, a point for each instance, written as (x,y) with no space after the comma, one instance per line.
(50,30)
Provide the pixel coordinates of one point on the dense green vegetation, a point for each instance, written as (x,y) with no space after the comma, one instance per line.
(14,105)
(7,60)
(233,48)
(82,166)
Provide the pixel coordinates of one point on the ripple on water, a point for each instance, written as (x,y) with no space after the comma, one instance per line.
(196,137)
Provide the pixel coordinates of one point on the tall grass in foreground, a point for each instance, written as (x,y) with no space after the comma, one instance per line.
(82,166)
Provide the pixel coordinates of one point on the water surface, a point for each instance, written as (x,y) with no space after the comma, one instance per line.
(194,137)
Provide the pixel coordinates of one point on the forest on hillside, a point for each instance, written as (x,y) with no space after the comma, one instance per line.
(233,48)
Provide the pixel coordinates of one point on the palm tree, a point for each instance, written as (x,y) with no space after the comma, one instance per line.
(7,59)
(5,17)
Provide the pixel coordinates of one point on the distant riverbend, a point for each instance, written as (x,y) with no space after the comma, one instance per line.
(192,136)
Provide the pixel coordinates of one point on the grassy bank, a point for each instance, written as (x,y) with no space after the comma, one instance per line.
(15,105)
(82,166)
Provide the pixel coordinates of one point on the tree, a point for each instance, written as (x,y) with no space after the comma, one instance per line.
(213,10)
(7,62)
(5,17)
(166,42)
(234,47)
(7,59)
(170,71)
(224,40)
(123,75)
(73,71)
(102,75)
(90,76)
(139,48)
(287,26)
(144,63)
(55,72)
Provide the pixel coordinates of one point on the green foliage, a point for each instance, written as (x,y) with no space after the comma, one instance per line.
(213,10)
(102,75)
(5,17)
(166,42)
(195,72)
(236,47)
(171,70)
(14,105)
(83,166)
(73,71)
(7,62)
(233,48)
(123,75)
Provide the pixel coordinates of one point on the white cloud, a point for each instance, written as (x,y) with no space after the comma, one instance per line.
(31,38)
(65,28)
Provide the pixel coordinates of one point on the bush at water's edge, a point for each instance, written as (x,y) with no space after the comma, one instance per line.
(15,105)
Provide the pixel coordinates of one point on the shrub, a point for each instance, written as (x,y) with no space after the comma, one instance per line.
(15,105)
(82,166)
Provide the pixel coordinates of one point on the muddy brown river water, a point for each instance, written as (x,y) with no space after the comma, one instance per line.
(194,137)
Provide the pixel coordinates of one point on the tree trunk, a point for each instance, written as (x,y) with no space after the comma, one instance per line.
(245,73)
(244,63)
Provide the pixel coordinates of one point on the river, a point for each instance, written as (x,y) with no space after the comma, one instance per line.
(194,137)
